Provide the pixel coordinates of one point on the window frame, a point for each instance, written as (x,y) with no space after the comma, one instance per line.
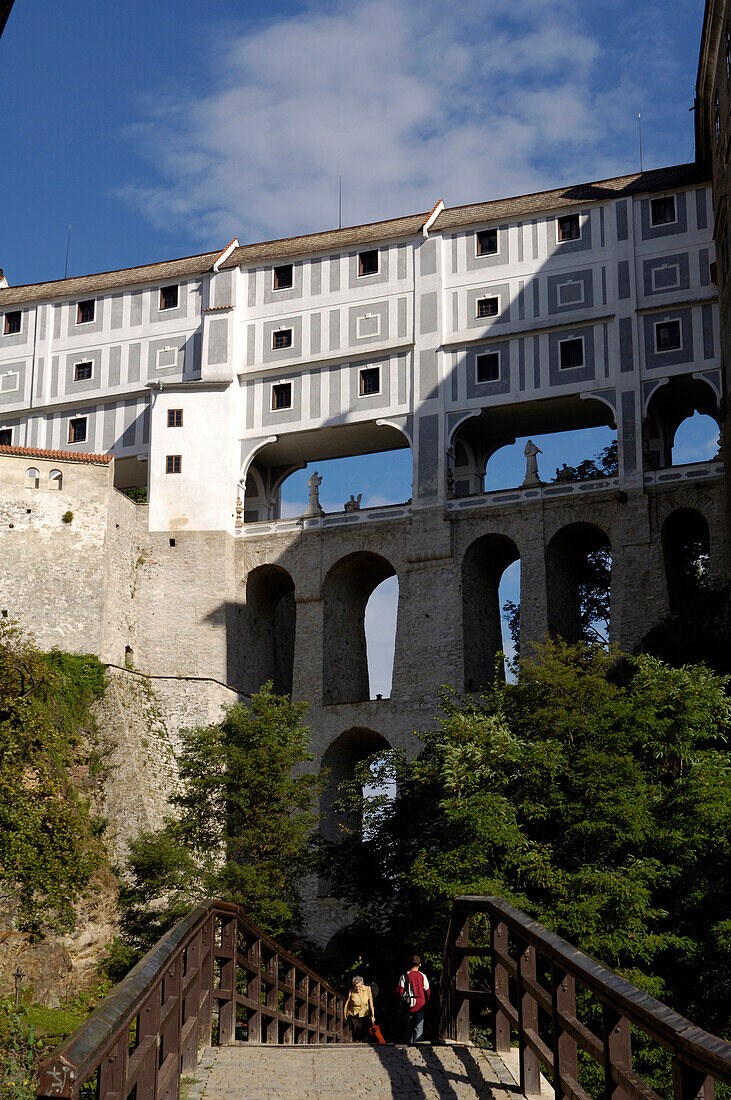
(162,308)
(368,317)
(10,433)
(369,252)
(571,282)
(173,417)
(372,369)
(670,221)
(281,332)
(572,340)
(665,289)
(7,331)
(488,355)
(280,386)
(84,363)
(167,366)
(287,286)
(564,217)
(668,321)
(173,461)
(479,251)
(70,433)
(487,298)
(85,302)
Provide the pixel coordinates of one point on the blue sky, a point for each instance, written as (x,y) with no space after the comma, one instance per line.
(161,130)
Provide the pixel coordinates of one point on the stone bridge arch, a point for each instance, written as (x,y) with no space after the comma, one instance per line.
(345,594)
(568,573)
(271,619)
(484,562)
(686,546)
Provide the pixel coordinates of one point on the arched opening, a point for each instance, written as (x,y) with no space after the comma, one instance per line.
(346,591)
(271,616)
(686,548)
(32,478)
(380,631)
(673,404)
(578,582)
(483,566)
(55,480)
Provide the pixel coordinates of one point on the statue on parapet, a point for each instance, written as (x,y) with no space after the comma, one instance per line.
(353,505)
(531,453)
(314,508)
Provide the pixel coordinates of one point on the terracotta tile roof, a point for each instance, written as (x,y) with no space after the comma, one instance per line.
(333,240)
(61,456)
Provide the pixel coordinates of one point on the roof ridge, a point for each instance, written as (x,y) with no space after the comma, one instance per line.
(63,456)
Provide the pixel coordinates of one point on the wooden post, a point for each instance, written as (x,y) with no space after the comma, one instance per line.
(563,1005)
(501,986)
(691,1084)
(617,1051)
(530,1076)
(255,992)
(462,976)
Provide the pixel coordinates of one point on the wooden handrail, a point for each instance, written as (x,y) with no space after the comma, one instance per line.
(517,994)
(150,1027)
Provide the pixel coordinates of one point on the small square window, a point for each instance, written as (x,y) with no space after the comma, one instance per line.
(281,395)
(568,228)
(169,297)
(77,430)
(488,367)
(571,353)
(486,242)
(667,336)
(283,277)
(175,418)
(368,262)
(662,210)
(12,323)
(83,371)
(370,381)
(85,311)
(6,437)
(281,338)
(488,307)
(173,464)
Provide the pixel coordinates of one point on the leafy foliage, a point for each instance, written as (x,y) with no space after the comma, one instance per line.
(49,840)
(605,464)
(240,831)
(593,793)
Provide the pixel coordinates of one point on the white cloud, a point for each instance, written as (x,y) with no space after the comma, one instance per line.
(411,102)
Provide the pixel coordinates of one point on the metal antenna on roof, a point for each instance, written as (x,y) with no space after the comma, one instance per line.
(639,124)
(68,246)
(340,200)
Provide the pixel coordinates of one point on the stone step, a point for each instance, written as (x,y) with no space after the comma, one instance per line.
(423,1072)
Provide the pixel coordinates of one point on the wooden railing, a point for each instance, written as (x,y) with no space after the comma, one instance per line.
(215,977)
(534,976)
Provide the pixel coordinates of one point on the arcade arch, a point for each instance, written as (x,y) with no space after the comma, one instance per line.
(345,594)
(483,565)
(670,405)
(686,548)
(578,583)
(271,615)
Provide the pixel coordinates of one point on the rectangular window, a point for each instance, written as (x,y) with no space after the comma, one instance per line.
(169,297)
(568,228)
(662,210)
(283,277)
(488,367)
(571,352)
(281,338)
(83,371)
(667,336)
(6,437)
(77,430)
(486,242)
(175,418)
(666,277)
(85,311)
(12,323)
(571,293)
(281,396)
(167,357)
(370,381)
(173,464)
(368,262)
(488,307)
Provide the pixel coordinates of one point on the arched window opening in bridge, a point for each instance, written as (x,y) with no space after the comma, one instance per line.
(380,631)
(346,592)
(485,563)
(584,454)
(681,424)
(271,620)
(687,552)
(578,584)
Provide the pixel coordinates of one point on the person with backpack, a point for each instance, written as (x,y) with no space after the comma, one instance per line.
(413,992)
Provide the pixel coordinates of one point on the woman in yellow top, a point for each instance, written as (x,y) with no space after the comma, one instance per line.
(359,1009)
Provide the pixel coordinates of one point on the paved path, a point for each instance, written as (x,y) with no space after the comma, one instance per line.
(422,1072)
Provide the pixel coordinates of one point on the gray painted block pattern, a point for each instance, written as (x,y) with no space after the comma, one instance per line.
(626,346)
(704,267)
(334,273)
(145,425)
(249,398)
(290,293)
(570,291)
(560,248)
(655,360)
(250,344)
(129,423)
(115,318)
(521,365)
(367,280)
(197,353)
(519,228)
(380,400)
(178,314)
(75,331)
(401,379)
(624,289)
(217,341)
(629,432)
(666,273)
(401,266)
(16,339)
(272,355)
(162,351)
(39,378)
(251,293)
(334,329)
(486,390)
(605,337)
(701,208)
(429,312)
(497,259)
(620,214)
(135,308)
(315,333)
(401,321)
(709,350)
(601,226)
(54,376)
(42,321)
(521,299)
(428,378)
(651,233)
(315,277)
(428,257)
(133,363)
(84,385)
(335,391)
(315,386)
(109,437)
(604,286)
(428,449)
(586,373)
(537,362)
(501,291)
(223,289)
(270,417)
(536,298)
(57,311)
(12,383)
(370,321)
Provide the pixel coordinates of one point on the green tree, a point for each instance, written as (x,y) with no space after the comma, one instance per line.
(240,829)
(49,840)
(593,793)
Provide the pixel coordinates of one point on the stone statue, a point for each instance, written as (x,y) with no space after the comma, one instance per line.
(314,508)
(564,474)
(353,505)
(531,453)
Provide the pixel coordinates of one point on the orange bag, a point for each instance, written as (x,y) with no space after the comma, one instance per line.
(376,1035)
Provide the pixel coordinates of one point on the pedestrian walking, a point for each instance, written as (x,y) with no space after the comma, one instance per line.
(413,992)
(359,1011)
